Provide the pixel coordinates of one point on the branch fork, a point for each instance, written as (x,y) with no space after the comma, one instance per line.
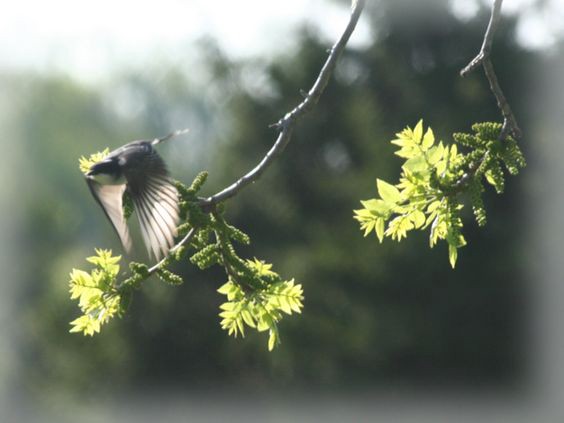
(510,126)
(285,126)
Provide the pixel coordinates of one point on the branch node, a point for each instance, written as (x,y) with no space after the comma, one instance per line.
(476,61)
(277,125)
(483,58)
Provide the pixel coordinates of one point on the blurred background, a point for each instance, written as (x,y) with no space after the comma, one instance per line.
(389,331)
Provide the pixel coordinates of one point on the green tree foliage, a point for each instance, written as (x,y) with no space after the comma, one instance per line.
(259,308)
(433,177)
(98,298)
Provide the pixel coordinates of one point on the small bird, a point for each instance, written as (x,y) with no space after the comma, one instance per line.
(138,169)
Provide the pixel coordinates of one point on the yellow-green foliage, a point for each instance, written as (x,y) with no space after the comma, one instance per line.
(256,296)
(97,297)
(259,309)
(85,163)
(432,177)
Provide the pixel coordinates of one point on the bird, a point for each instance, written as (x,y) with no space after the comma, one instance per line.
(137,169)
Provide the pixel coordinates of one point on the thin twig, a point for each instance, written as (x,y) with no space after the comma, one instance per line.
(183,241)
(510,125)
(488,39)
(287,123)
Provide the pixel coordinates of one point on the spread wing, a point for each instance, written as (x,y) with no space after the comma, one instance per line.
(110,199)
(156,202)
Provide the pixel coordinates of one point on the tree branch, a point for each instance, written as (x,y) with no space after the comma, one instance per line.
(488,39)
(288,122)
(285,125)
(510,125)
(483,58)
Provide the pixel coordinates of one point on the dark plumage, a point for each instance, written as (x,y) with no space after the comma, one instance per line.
(138,169)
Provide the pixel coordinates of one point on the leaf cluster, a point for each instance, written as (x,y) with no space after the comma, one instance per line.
(257,297)
(260,309)
(85,163)
(98,298)
(432,178)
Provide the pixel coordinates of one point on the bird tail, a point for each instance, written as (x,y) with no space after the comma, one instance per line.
(169,136)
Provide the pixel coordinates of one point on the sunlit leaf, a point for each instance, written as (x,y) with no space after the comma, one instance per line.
(418,218)
(428,139)
(418,132)
(389,193)
(452,255)
(380,229)
(417,164)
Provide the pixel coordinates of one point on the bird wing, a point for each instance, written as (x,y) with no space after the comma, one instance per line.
(155,199)
(110,199)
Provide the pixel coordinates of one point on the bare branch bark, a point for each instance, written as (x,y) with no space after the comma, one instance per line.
(285,125)
(288,122)
(510,125)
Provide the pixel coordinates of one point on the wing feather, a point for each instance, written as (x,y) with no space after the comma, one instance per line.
(110,199)
(147,229)
(156,202)
(167,210)
(158,224)
(164,195)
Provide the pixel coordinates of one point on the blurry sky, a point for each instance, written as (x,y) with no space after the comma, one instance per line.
(89,40)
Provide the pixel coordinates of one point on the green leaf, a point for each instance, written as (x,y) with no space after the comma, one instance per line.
(389,193)
(377,207)
(79,279)
(262,268)
(433,206)
(85,324)
(399,227)
(441,165)
(368,226)
(435,154)
(284,304)
(264,323)
(228,306)
(428,140)
(418,132)
(272,339)
(240,325)
(105,261)
(225,288)
(452,255)
(439,230)
(418,218)
(416,164)
(380,229)
(248,318)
